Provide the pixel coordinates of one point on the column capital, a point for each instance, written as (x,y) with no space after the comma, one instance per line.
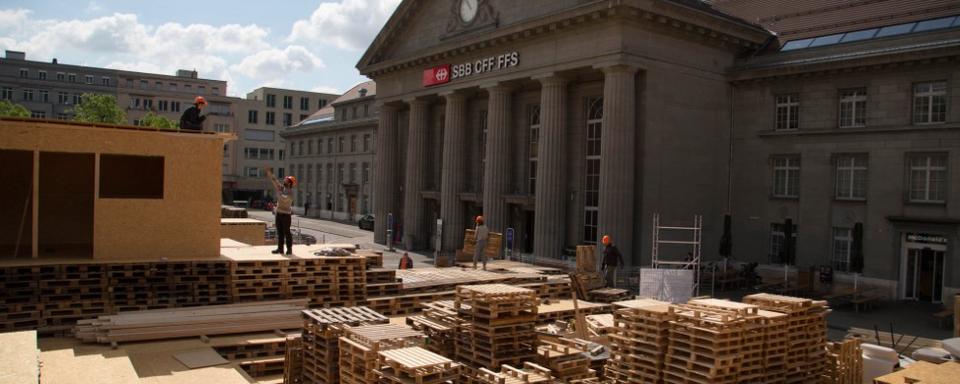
(416,101)
(452,95)
(551,78)
(387,106)
(498,87)
(617,68)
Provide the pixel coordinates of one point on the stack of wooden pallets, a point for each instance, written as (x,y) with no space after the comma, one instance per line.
(498,325)
(415,365)
(330,281)
(293,361)
(360,348)
(531,373)
(704,345)
(608,295)
(844,363)
(567,362)
(806,332)
(638,341)
(322,329)
(439,322)
(751,362)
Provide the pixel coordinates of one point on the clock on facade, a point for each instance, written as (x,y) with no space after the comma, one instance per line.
(468,10)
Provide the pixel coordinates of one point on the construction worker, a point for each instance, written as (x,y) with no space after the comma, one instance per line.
(284,210)
(611,260)
(482,234)
(406,262)
(191,118)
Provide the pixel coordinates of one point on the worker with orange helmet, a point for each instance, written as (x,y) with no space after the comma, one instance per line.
(284,210)
(482,234)
(191,118)
(611,260)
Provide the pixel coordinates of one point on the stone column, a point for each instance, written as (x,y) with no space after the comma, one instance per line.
(452,173)
(386,186)
(496,176)
(618,158)
(549,225)
(413,228)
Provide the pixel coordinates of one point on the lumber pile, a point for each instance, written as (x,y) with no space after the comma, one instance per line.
(498,325)
(360,348)
(530,373)
(806,330)
(293,361)
(194,321)
(322,329)
(844,363)
(566,360)
(420,280)
(638,341)
(416,365)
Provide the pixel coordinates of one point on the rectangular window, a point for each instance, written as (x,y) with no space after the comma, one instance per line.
(105,81)
(930,102)
(252,116)
(330,174)
(340,179)
(215,91)
(366,110)
(147,103)
(304,103)
(591,190)
(271,100)
(842,242)
(287,102)
(928,178)
(287,119)
(776,240)
(144,84)
(72,77)
(175,106)
(131,177)
(222,128)
(353,143)
(63,98)
(163,105)
(44,95)
(299,148)
(321,103)
(88,79)
(24,73)
(270,118)
(366,142)
(258,135)
(63,116)
(253,172)
(42,75)
(851,182)
(280,154)
(353,173)
(366,173)
(786,176)
(6,93)
(38,114)
(343,114)
(788,112)
(853,108)
(310,147)
(76,99)
(60,76)
(27,95)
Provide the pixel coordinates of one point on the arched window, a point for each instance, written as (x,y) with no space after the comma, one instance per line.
(591,195)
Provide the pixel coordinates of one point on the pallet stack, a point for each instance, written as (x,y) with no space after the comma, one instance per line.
(806,329)
(608,295)
(844,363)
(360,348)
(322,329)
(498,325)
(439,322)
(530,373)
(416,365)
(704,345)
(567,362)
(750,366)
(293,361)
(638,341)
(775,341)
(329,281)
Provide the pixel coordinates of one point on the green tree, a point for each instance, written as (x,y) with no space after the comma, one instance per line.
(156,121)
(9,109)
(94,108)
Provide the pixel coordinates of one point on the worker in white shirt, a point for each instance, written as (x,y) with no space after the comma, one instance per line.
(482,234)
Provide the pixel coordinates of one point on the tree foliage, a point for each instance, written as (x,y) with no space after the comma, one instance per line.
(156,121)
(9,109)
(94,108)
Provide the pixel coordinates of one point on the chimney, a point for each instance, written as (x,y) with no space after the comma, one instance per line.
(16,55)
(54,60)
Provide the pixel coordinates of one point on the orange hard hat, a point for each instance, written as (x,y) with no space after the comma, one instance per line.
(292,180)
(606,240)
(199,100)
(479,219)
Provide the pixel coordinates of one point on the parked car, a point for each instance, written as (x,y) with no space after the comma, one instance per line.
(366,222)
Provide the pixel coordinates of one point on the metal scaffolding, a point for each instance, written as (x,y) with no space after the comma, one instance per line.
(693,261)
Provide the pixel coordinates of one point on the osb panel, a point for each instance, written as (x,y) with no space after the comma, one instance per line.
(19,357)
(247,231)
(184,224)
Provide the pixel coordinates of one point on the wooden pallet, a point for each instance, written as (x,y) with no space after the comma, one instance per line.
(530,373)
(359,348)
(844,363)
(417,365)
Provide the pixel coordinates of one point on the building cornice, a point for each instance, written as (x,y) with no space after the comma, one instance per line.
(297,131)
(895,129)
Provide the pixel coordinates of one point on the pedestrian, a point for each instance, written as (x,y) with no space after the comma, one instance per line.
(284,210)
(306,208)
(482,234)
(191,118)
(611,260)
(405,262)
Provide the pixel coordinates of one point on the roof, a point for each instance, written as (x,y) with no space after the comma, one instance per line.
(325,114)
(798,19)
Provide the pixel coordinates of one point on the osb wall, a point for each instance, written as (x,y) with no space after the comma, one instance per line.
(185,223)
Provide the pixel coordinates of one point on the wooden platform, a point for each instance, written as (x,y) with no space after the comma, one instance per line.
(19,357)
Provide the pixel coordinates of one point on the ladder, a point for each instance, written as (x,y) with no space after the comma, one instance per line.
(696,235)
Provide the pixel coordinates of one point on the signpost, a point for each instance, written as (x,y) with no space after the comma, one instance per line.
(436,252)
(390,232)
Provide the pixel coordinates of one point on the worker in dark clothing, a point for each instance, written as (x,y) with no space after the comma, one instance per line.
(611,260)
(191,118)
(405,262)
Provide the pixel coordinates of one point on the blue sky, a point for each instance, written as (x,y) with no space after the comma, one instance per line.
(297,44)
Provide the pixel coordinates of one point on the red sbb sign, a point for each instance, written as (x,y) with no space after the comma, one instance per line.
(436,75)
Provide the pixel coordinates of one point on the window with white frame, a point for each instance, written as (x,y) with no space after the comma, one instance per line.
(777,237)
(842,245)
(851,182)
(88,79)
(591,190)
(38,114)
(63,98)
(928,178)
(287,102)
(788,112)
(6,93)
(105,81)
(42,75)
(60,76)
(44,95)
(353,143)
(853,108)
(365,173)
(222,128)
(252,116)
(786,176)
(27,95)
(310,146)
(252,171)
(533,148)
(72,77)
(24,73)
(366,142)
(930,102)
(270,118)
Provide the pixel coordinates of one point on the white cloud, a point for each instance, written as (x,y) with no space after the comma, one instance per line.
(347,24)
(273,64)
(325,89)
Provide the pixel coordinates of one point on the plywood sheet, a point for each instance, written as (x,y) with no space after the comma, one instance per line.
(19,357)
(199,358)
(923,372)
(63,359)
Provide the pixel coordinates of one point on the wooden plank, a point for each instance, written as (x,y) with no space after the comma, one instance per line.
(199,358)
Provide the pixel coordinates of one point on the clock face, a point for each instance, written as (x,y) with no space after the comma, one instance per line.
(468,10)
